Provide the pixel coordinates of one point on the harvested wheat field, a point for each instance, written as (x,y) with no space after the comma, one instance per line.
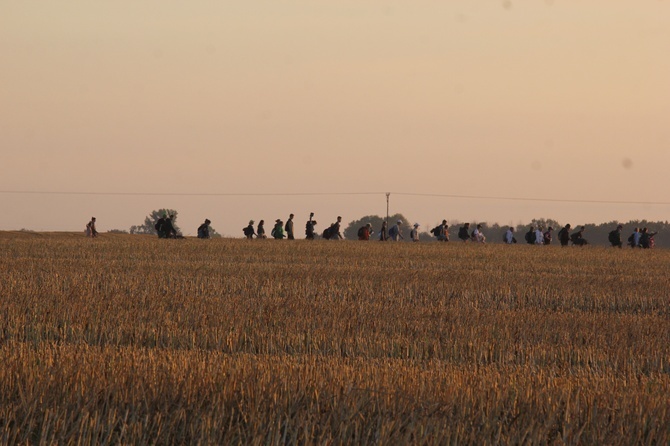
(131,339)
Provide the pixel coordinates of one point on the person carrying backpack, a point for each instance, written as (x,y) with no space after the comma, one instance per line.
(249,230)
(578,239)
(203,229)
(464,232)
(530,236)
(309,227)
(278,230)
(647,238)
(564,235)
(614,237)
(364,232)
(90,228)
(159,226)
(634,239)
(441,232)
(288,227)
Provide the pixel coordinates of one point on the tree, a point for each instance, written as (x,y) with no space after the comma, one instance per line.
(151,219)
(351,232)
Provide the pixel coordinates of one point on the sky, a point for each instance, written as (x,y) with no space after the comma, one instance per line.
(183,105)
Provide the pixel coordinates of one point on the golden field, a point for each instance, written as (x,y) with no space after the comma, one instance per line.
(131,339)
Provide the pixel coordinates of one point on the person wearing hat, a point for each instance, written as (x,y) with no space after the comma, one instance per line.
(414,234)
(260,230)
(395,233)
(278,230)
(249,230)
(203,229)
(288,227)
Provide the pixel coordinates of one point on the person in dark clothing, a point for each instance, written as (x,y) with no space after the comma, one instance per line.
(260,230)
(383,232)
(249,230)
(168,227)
(614,237)
(464,232)
(647,238)
(288,227)
(578,239)
(203,229)
(90,228)
(160,226)
(530,236)
(309,227)
(564,235)
(547,236)
(334,230)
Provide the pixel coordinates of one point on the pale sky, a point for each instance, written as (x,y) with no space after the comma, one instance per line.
(536,99)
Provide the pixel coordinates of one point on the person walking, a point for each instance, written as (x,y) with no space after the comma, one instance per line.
(309,227)
(530,235)
(383,232)
(577,238)
(464,232)
(395,233)
(260,230)
(509,236)
(278,231)
(547,236)
(249,230)
(203,229)
(539,236)
(614,237)
(647,239)
(634,239)
(477,235)
(90,228)
(414,233)
(564,235)
(364,232)
(443,232)
(289,228)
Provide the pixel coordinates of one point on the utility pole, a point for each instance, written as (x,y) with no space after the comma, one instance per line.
(388,195)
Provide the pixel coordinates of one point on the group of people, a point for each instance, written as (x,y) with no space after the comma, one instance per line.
(536,235)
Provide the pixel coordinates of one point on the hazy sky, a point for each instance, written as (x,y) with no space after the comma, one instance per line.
(537,99)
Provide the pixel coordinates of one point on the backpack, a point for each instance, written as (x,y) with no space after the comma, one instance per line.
(247,231)
(435,231)
(393,231)
(159,224)
(463,233)
(530,237)
(631,239)
(361,231)
(612,237)
(328,232)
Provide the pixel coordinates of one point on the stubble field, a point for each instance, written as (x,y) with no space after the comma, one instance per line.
(131,339)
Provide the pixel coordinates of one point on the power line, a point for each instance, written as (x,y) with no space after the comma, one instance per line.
(297,194)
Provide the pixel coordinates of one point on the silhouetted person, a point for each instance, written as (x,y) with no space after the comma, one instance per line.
(547,236)
(90,228)
(288,227)
(203,229)
(578,239)
(309,227)
(564,235)
(249,230)
(464,232)
(614,237)
(383,232)
(260,229)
